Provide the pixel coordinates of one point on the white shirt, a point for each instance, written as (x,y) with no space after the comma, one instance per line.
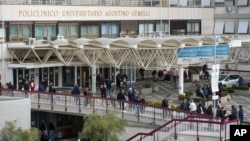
(192,107)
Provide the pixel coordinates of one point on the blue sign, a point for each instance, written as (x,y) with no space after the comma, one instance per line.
(206,51)
(203,51)
(187,52)
(222,49)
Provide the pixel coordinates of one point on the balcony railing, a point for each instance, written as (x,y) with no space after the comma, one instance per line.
(197,127)
(137,3)
(79,104)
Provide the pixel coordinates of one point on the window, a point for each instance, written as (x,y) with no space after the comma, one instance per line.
(193,28)
(219,3)
(110,30)
(146,29)
(90,31)
(129,28)
(68,30)
(242,2)
(45,31)
(20,32)
(229,27)
(164,28)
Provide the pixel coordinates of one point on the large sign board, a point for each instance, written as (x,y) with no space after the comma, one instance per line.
(202,54)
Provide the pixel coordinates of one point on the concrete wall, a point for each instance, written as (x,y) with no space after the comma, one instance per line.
(18,110)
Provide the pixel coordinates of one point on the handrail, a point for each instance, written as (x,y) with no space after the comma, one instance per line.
(188,119)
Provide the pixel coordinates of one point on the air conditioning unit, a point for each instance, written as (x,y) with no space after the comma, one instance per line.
(229,8)
(32,41)
(60,37)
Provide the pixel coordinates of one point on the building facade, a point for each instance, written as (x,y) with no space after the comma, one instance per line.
(50,27)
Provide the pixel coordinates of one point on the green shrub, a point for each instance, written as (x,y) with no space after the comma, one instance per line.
(186,80)
(197,99)
(149,102)
(230,90)
(209,97)
(146,86)
(188,93)
(224,93)
(182,97)
(157,103)
(241,88)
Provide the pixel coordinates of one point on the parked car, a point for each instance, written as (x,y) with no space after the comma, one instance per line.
(228,80)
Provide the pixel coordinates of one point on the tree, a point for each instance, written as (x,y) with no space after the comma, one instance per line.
(106,128)
(11,133)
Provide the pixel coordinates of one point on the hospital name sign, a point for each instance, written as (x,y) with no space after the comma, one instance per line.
(81,13)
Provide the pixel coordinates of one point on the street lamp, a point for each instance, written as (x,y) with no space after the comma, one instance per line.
(214,79)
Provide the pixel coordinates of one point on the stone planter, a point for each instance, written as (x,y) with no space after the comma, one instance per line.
(155,89)
(223,99)
(146,90)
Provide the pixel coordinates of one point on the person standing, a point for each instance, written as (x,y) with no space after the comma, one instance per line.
(165,104)
(192,106)
(108,83)
(51,132)
(76,91)
(241,114)
(142,73)
(121,98)
(26,88)
(44,130)
(32,85)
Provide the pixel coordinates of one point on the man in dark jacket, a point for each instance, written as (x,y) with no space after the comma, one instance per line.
(165,105)
(121,98)
(241,114)
(76,92)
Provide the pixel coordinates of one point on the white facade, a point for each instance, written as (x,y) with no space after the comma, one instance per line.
(15,110)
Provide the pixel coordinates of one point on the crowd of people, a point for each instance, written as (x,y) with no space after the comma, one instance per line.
(220,111)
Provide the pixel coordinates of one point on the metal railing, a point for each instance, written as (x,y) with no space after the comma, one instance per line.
(139,3)
(80,104)
(196,126)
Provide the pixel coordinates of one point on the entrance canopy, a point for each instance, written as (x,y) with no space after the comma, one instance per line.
(147,53)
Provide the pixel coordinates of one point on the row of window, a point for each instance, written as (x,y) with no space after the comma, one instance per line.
(239,3)
(21,31)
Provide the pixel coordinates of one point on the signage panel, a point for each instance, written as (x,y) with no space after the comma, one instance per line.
(202,54)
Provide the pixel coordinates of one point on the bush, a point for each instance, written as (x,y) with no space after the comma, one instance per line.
(146,86)
(241,88)
(230,90)
(209,98)
(157,103)
(197,99)
(188,93)
(186,80)
(149,102)
(224,93)
(182,97)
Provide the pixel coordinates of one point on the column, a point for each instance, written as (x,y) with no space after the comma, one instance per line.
(181,80)
(60,76)
(93,78)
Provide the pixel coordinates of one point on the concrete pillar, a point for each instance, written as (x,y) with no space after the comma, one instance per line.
(75,69)
(93,79)
(36,78)
(181,80)
(59,76)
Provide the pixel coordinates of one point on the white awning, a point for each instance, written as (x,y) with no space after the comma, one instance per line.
(242,2)
(229,27)
(243,26)
(205,3)
(218,27)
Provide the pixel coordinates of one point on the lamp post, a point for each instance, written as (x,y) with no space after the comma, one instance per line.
(214,79)
(2,49)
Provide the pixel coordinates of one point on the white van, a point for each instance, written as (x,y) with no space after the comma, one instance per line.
(228,80)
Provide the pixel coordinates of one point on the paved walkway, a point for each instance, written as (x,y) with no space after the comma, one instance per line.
(166,88)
